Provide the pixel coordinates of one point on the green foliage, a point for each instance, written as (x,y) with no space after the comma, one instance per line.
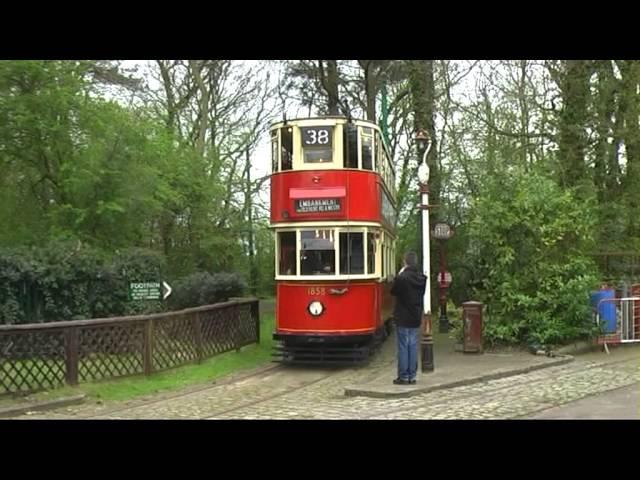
(531,242)
(68,281)
(202,288)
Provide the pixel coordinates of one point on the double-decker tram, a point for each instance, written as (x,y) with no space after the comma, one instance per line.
(333,211)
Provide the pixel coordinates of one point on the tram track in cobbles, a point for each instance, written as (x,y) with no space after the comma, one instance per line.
(228,400)
(509,397)
(168,396)
(231,392)
(228,390)
(372,404)
(291,392)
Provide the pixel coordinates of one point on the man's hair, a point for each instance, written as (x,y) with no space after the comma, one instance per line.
(411,259)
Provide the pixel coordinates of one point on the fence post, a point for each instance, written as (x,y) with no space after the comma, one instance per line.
(147,353)
(255,313)
(198,331)
(71,335)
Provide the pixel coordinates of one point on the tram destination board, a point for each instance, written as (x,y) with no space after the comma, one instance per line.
(318,205)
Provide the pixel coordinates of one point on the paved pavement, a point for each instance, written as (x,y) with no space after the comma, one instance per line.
(319,393)
(452,368)
(620,404)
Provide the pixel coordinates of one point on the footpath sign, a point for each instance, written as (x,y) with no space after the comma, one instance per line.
(149,290)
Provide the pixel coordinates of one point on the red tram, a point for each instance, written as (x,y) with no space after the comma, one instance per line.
(333,212)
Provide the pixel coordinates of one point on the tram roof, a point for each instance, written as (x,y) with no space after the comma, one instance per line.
(326,117)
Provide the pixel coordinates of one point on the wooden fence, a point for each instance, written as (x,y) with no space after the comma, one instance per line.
(43,356)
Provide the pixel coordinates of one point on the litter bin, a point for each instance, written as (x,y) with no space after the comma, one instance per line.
(472,326)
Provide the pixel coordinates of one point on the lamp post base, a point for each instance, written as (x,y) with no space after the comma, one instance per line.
(443,325)
(426,346)
(427,354)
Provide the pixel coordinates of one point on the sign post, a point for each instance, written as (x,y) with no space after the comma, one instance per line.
(443,232)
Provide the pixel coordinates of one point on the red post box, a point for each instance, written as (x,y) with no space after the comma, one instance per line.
(472,325)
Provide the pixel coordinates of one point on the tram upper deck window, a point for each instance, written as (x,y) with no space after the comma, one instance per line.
(367,148)
(350,146)
(317,144)
(286,141)
(317,252)
(351,253)
(274,151)
(287,255)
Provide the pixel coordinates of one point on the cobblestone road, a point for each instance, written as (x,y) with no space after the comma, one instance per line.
(286,393)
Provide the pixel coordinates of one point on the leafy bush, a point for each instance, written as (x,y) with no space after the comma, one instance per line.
(203,288)
(68,280)
(531,242)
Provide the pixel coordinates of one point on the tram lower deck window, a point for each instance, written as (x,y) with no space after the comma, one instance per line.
(371,253)
(287,258)
(351,253)
(317,252)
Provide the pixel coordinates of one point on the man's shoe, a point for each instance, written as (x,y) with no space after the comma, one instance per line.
(401,381)
(412,382)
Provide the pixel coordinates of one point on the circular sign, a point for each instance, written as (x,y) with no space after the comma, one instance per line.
(442,231)
(444,278)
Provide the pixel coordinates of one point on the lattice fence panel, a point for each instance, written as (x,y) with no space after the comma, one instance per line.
(174,341)
(31,360)
(110,351)
(227,329)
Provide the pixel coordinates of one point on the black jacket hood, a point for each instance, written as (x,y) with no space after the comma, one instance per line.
(415,278)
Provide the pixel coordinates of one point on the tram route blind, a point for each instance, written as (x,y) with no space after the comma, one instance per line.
(318,205)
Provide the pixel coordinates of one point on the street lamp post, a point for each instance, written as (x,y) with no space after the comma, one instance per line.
(426,342)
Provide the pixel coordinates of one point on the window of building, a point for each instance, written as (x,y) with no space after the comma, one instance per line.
(317,252)
(287,254)
(351,253)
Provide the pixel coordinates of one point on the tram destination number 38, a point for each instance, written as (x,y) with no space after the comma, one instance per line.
(314,136)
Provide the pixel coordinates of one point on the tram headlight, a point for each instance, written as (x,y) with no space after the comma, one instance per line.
(315,308)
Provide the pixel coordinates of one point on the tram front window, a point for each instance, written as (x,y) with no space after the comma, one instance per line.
(317,143)
(317,254)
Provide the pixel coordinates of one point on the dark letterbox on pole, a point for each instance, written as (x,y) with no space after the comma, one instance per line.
(472,325)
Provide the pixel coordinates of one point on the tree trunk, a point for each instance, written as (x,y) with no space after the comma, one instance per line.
(203,106)
(329,81)
(423,95)
(574,86)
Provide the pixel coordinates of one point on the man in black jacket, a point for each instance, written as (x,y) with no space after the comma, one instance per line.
(408,288)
